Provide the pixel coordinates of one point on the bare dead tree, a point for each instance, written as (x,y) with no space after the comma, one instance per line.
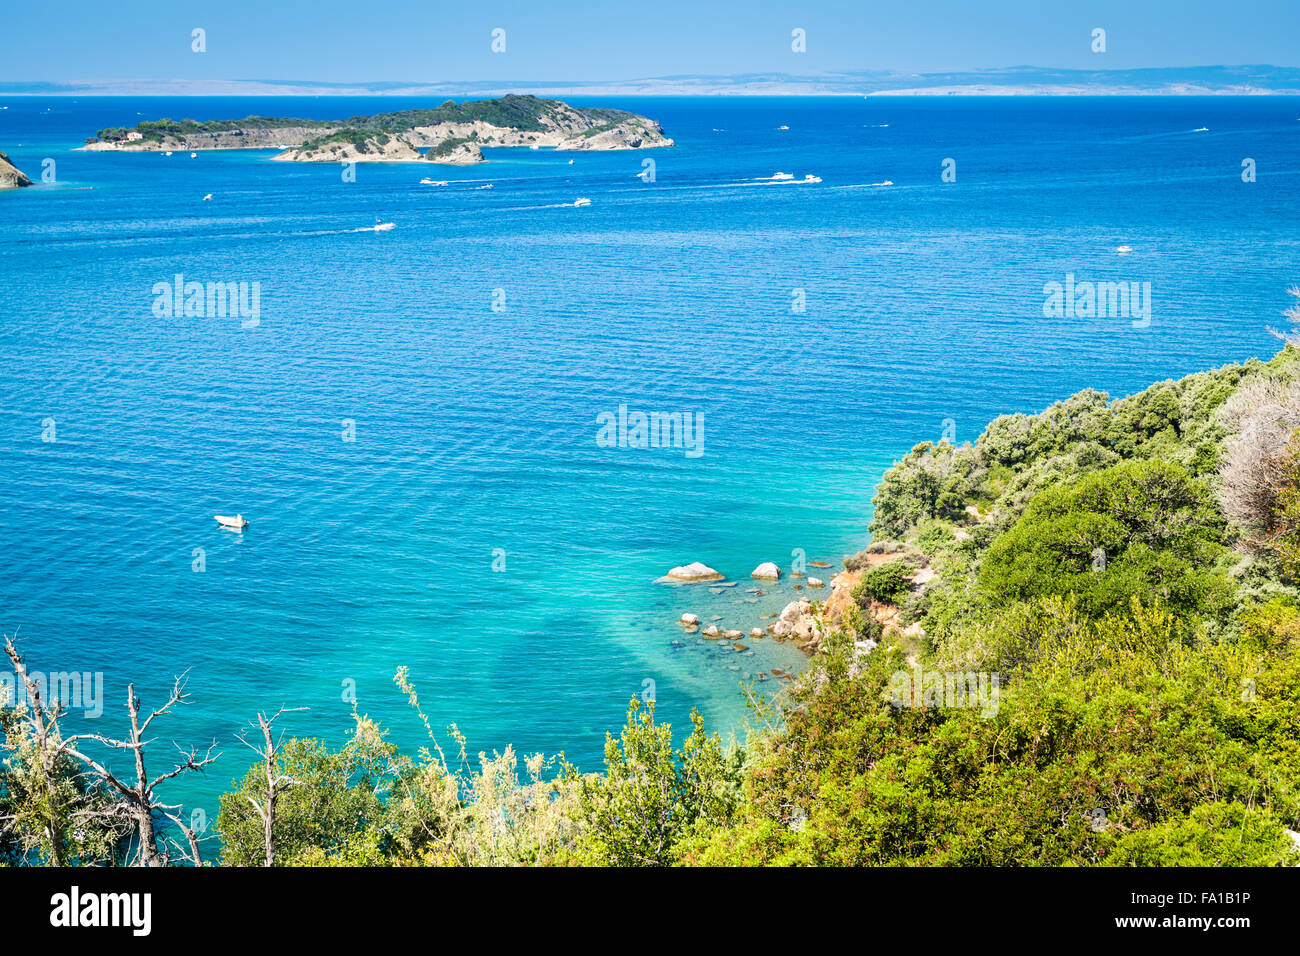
(190,852)
(139,796)
(1260,419)
(1292,335)
(45,730)
(268,748)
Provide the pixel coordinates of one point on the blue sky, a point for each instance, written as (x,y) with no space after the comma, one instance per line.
(427,40)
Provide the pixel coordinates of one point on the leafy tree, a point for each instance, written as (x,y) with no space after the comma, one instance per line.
(647,802)
(331,802)
(931,481)
(1136,529)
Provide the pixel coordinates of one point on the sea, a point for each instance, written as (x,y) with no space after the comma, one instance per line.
(410,418)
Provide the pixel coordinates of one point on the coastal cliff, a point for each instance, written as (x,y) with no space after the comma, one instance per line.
(11,177)
(451,134)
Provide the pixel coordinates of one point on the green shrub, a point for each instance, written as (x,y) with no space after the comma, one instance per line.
(886,583)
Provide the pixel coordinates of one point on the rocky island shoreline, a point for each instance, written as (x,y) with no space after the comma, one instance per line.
(11,177)
(452,134)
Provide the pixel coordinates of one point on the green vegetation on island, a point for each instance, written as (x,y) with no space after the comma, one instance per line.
(516,120)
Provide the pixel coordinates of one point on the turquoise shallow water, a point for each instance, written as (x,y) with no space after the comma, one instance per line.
(476,429)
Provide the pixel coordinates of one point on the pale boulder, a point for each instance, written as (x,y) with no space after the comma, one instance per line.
(767,571)
(696,571)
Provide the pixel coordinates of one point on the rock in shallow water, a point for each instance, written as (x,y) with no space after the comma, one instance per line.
(695,571)
(767,571)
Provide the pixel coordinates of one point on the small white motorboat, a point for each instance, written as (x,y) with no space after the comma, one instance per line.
(781,175)
(207,197)
(194,155)
(237,523)
(810,178)
(167,152)
(582,201)
(887,182)
(1124,250)
(570,161)
(385,226)
(783,127)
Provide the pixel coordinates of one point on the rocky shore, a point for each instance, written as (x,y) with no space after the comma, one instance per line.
(808,617)
(11,177)
(452,134)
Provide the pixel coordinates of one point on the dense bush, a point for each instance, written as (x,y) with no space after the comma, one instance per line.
(887,583)
(1137,529)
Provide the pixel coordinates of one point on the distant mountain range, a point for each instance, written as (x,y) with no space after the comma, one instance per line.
(1007,81)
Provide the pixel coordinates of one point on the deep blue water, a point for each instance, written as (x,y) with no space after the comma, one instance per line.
(476,429)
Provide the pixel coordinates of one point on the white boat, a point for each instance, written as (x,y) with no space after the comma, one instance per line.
(570,161)
(385,226)
(582,201)
(207,197)
(1124,250)
(810,178)
(1203,129)
(167,153)
(194,155)
(780,175)
(783,127)
(488,186)
(887,182)
(237,522)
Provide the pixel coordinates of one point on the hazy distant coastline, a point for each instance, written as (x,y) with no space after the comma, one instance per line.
(1011,81)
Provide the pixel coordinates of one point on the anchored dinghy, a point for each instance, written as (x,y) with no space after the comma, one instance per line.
(236,523)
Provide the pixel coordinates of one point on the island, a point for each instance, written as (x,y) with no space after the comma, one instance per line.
(11,177)
(452,134)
